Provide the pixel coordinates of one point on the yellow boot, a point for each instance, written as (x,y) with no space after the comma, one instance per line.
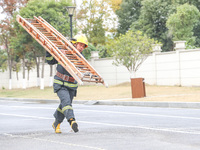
(56,127)
(73,124)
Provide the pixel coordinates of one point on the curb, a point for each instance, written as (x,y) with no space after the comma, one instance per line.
(30,100)
(193,105)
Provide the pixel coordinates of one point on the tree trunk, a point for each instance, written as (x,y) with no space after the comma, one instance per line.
(17,75)
(132,74)
(9,63)
(23,65)
(42,74)
(10,73)
(28,74)
(37,61)
(51,76)
(38,71)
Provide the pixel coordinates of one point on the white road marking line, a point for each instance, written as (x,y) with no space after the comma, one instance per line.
(141,114)
(143,127)
(16,101)
(116,125)
(57,142)
(25,116)
(114,112)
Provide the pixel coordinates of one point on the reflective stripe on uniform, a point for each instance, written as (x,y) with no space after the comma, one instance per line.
(66,107)
(65,83)
(49,58)
(58,109)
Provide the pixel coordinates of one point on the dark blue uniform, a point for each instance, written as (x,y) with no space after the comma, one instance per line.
(65,90)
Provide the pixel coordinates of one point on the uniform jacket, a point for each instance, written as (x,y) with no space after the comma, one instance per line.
(58,82)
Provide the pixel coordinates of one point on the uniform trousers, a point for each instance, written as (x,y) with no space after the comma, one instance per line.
(64,109)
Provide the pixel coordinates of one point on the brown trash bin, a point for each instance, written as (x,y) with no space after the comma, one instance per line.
(138,87)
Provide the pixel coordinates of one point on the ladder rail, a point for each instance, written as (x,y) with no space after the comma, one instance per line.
(47,45)
(71,46)
(48,37)
(69,62)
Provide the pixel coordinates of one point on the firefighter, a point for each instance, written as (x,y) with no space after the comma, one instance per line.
(66,87)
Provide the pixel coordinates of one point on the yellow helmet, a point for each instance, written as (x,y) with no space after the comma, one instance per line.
(81,39)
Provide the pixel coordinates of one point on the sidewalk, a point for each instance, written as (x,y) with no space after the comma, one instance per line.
(121,102)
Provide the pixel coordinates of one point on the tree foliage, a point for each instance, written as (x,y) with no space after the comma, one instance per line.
(182,23)
(152,21)
(131,49)
(95,19)
(53,12)
(128,13)
(9,7)
(115,4)
(87,51)
(3,61)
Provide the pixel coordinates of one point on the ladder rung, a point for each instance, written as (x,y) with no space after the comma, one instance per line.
(68,52)
(51,37)
(92,81)
(36,24)
(85,69)
(76,61)
(46,33)
(41,27)
(57,42)
(72,57)
(92,77)
(31,20)
(81,66)
(48,37)
(53,40)
(60,47)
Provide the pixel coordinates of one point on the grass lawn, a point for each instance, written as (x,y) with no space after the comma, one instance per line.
(122,92)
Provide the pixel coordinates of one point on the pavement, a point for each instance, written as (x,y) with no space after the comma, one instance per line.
(121,102)
(27,125)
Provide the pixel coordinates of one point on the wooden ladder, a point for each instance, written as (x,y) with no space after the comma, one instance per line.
(54,42)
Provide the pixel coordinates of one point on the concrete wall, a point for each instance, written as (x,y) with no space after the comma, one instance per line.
(32,82)
(180,67)
(170,68)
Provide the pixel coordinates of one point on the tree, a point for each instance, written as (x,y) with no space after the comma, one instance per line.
(95,19)
(97,35)
(131,49)
(128,13)
(29,63)
(6,33)
(115,4)
(182,23)
(3,61)
(17,68)
(103,51)
(54,13)
(20,43)
(153,18)
(9,7)
(87,51)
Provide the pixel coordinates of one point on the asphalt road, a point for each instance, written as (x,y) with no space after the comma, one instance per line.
(28,126)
